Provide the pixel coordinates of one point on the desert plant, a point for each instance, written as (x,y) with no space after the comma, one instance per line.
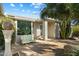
(71,50)
(65,29)
(7,23)
(64,13)
(1,10)
(1,37)
(59,11)
(75,31)
(77,53)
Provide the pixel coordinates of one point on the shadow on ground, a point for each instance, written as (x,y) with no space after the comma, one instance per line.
(42,49)
(73,42)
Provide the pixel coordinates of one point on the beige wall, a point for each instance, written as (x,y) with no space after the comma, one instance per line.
(45,30)
(36,29)
(57,31)
(51,31)
(48,31)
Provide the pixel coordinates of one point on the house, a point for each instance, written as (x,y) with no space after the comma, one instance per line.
(43,29)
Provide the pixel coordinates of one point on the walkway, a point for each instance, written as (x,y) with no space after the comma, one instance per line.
(40,48)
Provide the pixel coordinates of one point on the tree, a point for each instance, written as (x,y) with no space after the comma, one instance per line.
(75,10)
(1,34)
(1,10)
(62,12)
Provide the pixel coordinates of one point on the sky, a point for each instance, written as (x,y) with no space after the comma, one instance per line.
(31,10)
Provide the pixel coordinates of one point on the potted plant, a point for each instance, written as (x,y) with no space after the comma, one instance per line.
(8,29)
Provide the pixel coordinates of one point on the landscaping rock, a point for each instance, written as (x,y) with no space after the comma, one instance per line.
(76,38)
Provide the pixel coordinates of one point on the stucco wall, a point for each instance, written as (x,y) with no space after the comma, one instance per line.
(36,29)
(51,31)
(57,31)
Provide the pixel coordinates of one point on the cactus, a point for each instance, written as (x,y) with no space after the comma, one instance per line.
(65,29)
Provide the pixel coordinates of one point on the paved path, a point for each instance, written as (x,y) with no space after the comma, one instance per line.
(40,48)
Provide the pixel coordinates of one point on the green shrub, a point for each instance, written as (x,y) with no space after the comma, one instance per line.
(77,53)
(65,29)
(75,31)
(24,27)
(1,37)
(7,23)
(71,50)
(3,22)
(13,38)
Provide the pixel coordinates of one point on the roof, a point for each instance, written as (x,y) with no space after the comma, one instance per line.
(31,19)
(52,19)
(22,18)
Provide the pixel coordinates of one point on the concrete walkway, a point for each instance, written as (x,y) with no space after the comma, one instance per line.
(40,48)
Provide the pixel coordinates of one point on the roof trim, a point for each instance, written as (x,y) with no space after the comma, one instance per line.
(21,18)
(32,19)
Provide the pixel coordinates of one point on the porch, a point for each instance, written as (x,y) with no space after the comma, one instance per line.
(46,30)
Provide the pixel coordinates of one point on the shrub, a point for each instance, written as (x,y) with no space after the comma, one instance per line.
(77,53)
(71,50)
(13,38)
(7,23)
(75,31)
(65,29)
(24,27)
(1,37)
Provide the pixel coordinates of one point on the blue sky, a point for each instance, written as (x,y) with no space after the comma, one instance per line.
(23,9)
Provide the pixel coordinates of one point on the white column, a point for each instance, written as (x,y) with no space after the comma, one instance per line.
(45,30)
(16,32)
(71,32)
(32,31)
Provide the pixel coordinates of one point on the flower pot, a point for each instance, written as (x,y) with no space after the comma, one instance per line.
(7,37)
